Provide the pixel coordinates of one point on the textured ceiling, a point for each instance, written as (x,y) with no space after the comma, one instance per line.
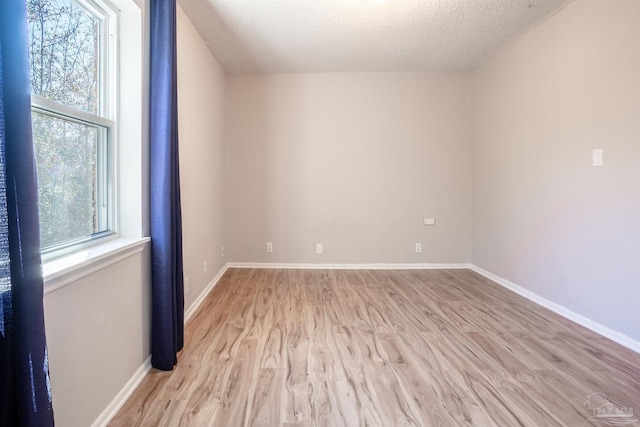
(288,36)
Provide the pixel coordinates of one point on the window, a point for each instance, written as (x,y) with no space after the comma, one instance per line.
(73,63)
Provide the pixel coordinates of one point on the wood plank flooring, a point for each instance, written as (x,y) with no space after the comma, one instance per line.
(382,348)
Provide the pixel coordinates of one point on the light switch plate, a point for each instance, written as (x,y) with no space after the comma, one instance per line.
(429,221)
(598,157)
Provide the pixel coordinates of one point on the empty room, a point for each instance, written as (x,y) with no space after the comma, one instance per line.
(320,212)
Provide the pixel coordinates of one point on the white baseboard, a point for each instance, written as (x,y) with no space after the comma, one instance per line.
(375,266)
(138,376)
(596,327)
(121,398)
(194,306)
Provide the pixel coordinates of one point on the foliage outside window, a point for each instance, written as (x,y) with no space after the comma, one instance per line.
(71,58)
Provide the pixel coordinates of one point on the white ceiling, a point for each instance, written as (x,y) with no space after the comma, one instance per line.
(288,36)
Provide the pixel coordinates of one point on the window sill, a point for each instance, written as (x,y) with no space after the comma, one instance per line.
(63,271)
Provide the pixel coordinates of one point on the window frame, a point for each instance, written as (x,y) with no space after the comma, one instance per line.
(105,121)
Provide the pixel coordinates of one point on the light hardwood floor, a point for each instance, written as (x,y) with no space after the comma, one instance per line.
(381,348)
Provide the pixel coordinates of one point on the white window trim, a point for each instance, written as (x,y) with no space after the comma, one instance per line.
(71,268)
(106,118)
(56,109)
(127,166)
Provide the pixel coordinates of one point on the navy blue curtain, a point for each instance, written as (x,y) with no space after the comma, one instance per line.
(25,394)
(167,327)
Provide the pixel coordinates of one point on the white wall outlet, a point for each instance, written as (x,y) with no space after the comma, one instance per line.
(597,157)
(269,247)
(204,267)
(186,285)
(418,248)
(222,252)
(429,221)
(319,248)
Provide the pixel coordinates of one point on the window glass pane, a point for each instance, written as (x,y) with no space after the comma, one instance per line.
(63,45)
(69,179)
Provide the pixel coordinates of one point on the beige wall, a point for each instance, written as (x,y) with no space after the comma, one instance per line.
(543,217)
(202,155)
(353,161)
(97,337)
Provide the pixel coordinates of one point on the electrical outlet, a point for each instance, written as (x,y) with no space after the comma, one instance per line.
(429,221)
(319,248)
(269,247)
(205,266)
(418,248)
(186,285)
